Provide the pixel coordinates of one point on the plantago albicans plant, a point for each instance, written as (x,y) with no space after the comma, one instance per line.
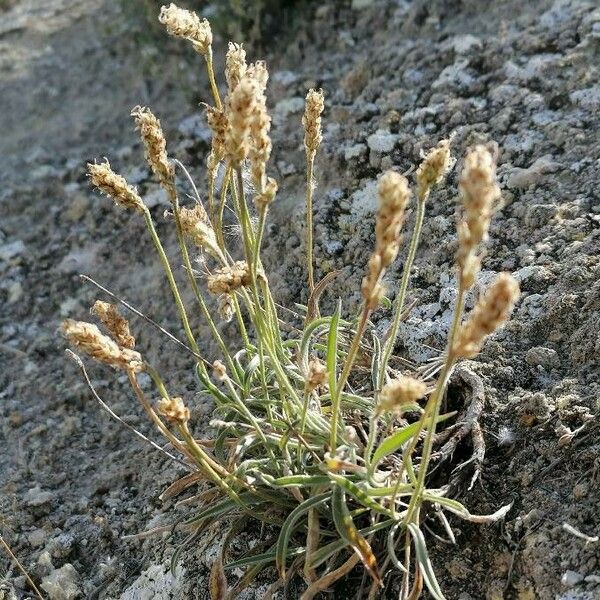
(336,462)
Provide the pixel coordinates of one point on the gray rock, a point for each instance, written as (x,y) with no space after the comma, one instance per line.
(382,141)
(62,584)
(588,98)
(37,497)
(543,357)
(195,126)
(571,578)
(533,175)
(156,582)
(355,151)
(11,250)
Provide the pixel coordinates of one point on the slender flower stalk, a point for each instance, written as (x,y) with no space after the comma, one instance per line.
(394,195)
(315,104)
(436,164)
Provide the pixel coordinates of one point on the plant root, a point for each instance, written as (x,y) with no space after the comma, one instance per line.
(467,424)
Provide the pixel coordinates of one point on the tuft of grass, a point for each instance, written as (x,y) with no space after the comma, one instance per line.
(316,434)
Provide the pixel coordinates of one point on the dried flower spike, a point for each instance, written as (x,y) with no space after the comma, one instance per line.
(235,65)
(479,192)
(394,194)
(229,279)
(434,167)
(116,324)
(187,24)
(317,375)
(242,104)
(88,338)
(114,186)
(219,371)
(174,410)
(155,144)
(196,226)
(264,199)
(400,392)
(217,121)
(490,313)
(225,308)
(315,103)
(260,148)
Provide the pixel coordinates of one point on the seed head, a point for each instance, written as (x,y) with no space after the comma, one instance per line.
(88,338)
(317,375)
(217,121)
(235,65)
(315,103)
(259,72)
(188,25)
(115,323)
(260,148)
(225,307)
(155,144)
(114,186)
(436,164)
(394,195)
(490,313)
(479,193)
(399,392)
(174,410)
(264,199)
(219,371)
(229,279)
(196,226)
(241,109)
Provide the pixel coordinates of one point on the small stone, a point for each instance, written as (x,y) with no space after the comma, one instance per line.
(36,497)
(37,537)
(524,178)
(15,292)
(544,357)
(156,196)
(195,126)
(11,250)
(571,578)
(62,584)
(355,151)
(382,141)
(361,4)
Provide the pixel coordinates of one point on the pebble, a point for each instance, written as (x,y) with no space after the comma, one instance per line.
(11,250)
(62,584)
(544,357)
(37,497)
(382,141)
(355,151)
(571,578)
(533,175)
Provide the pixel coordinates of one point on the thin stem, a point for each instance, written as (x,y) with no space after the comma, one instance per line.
(174,289)
(432,410)
(190,273)
(350,358)
(211,78)
(401,297)
(310,160)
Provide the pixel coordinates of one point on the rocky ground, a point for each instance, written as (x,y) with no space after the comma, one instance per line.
(398,77)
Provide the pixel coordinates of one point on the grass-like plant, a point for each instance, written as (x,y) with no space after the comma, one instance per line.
(317,434)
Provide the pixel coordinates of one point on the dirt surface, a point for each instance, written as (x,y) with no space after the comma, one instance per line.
(398,76)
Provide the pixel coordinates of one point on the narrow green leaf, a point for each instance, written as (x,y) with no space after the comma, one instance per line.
(424,563)
(349,533)
(376,363)
(290,524)
(399,438)
(263,558)
(359,494)
(332,349)
(325,552)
